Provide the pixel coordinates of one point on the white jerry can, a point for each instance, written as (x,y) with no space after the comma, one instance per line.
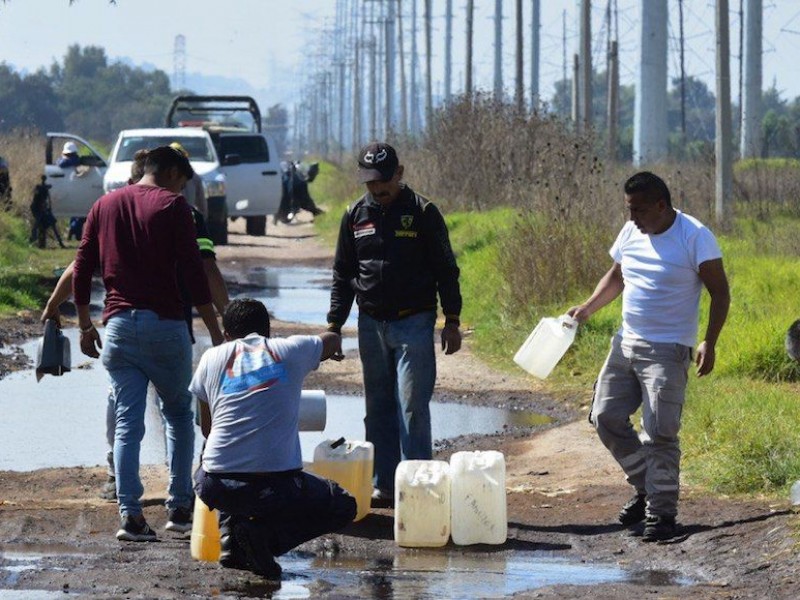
(478,498)
(422,503)
(348,463)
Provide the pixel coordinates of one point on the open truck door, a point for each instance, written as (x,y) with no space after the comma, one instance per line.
(74,189)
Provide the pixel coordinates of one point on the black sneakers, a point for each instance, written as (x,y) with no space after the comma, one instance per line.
(252,545)
(135,529)
(634,511)
(179,520)
(659,528)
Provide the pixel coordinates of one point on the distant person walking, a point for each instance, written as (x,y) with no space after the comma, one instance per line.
(393,256)
(662,260)
(139,236)
(43,218)
(5,186)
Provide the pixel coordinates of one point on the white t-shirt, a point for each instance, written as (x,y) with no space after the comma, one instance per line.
(662,284)
(252,386)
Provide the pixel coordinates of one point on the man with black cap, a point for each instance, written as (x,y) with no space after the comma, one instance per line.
(139,236)
(393,256)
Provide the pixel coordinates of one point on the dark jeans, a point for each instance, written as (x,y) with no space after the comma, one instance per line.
(290,507)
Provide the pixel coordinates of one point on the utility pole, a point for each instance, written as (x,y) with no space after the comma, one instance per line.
(357,45)
(498,50)
(415,116)
(403,87)
(373,84)
(468,68)
(722,146)
(576,110)
(535,51)
(519,95)
(448,51)
(751,100)
(683,74)
(586,64)
(650,109)
(613,98)
(179,63)
(389,123)
(428,74)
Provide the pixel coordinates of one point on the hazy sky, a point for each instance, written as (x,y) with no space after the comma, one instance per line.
(269,43)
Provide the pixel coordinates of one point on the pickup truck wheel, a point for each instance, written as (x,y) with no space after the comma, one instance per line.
(257,226)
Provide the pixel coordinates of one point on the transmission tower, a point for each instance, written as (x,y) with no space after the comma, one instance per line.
(179,63)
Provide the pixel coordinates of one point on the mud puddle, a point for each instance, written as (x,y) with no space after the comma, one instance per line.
(292,294)
(428,574)
(61,421)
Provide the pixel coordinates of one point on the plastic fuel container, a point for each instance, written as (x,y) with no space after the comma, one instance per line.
(348,463)
(478,498)
(205,532)
(546,345)
(422,503)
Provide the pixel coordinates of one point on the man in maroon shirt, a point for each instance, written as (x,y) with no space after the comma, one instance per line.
(138,236)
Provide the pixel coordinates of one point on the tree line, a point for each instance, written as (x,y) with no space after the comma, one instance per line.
(691,129)
(90,96)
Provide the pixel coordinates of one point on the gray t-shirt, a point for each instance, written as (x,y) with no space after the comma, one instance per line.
(252,386)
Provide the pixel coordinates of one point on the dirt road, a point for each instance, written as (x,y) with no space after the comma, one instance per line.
(57,536)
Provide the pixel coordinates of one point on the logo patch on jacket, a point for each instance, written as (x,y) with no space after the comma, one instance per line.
(363,229)
(406,221)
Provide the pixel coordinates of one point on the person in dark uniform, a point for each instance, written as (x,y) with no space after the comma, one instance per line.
(393,256)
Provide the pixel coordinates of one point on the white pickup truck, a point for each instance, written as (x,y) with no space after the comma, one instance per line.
(239,168)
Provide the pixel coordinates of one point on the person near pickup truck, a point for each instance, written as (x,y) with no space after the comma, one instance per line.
(393,255)
(43,218)
(138,236)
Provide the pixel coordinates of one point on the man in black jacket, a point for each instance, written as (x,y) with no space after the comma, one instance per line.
(393,256)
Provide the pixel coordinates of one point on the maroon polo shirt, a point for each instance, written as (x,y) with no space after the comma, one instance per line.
(138,236)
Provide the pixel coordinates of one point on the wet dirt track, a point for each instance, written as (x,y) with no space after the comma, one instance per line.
(56,535)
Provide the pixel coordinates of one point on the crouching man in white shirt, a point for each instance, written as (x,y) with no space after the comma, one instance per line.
(251,468)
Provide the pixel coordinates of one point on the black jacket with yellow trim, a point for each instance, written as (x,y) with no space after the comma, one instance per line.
(393,260)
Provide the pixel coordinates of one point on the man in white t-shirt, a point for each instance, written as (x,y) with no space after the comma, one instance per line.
(251,471)
(662,260)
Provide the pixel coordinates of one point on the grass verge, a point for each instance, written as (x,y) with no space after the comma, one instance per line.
(740,429)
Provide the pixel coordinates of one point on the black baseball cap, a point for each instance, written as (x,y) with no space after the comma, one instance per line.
(377,161)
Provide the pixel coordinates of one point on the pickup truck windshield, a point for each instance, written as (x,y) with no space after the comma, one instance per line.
(198,148)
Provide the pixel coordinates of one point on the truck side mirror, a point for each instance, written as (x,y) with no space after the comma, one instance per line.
(232,160)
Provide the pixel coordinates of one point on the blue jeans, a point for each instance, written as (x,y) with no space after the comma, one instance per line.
(140,348)
(399,366)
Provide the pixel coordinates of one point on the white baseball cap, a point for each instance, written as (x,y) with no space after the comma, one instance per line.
(70,148)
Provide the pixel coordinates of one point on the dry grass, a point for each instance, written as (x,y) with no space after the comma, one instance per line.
(24,152)
(481,155)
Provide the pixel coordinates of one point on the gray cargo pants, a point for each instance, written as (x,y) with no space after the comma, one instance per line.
(653,376)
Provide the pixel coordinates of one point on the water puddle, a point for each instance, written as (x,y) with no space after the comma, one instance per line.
(293,294)
(442,576)
(16,559)
(421,574)
(61,421)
